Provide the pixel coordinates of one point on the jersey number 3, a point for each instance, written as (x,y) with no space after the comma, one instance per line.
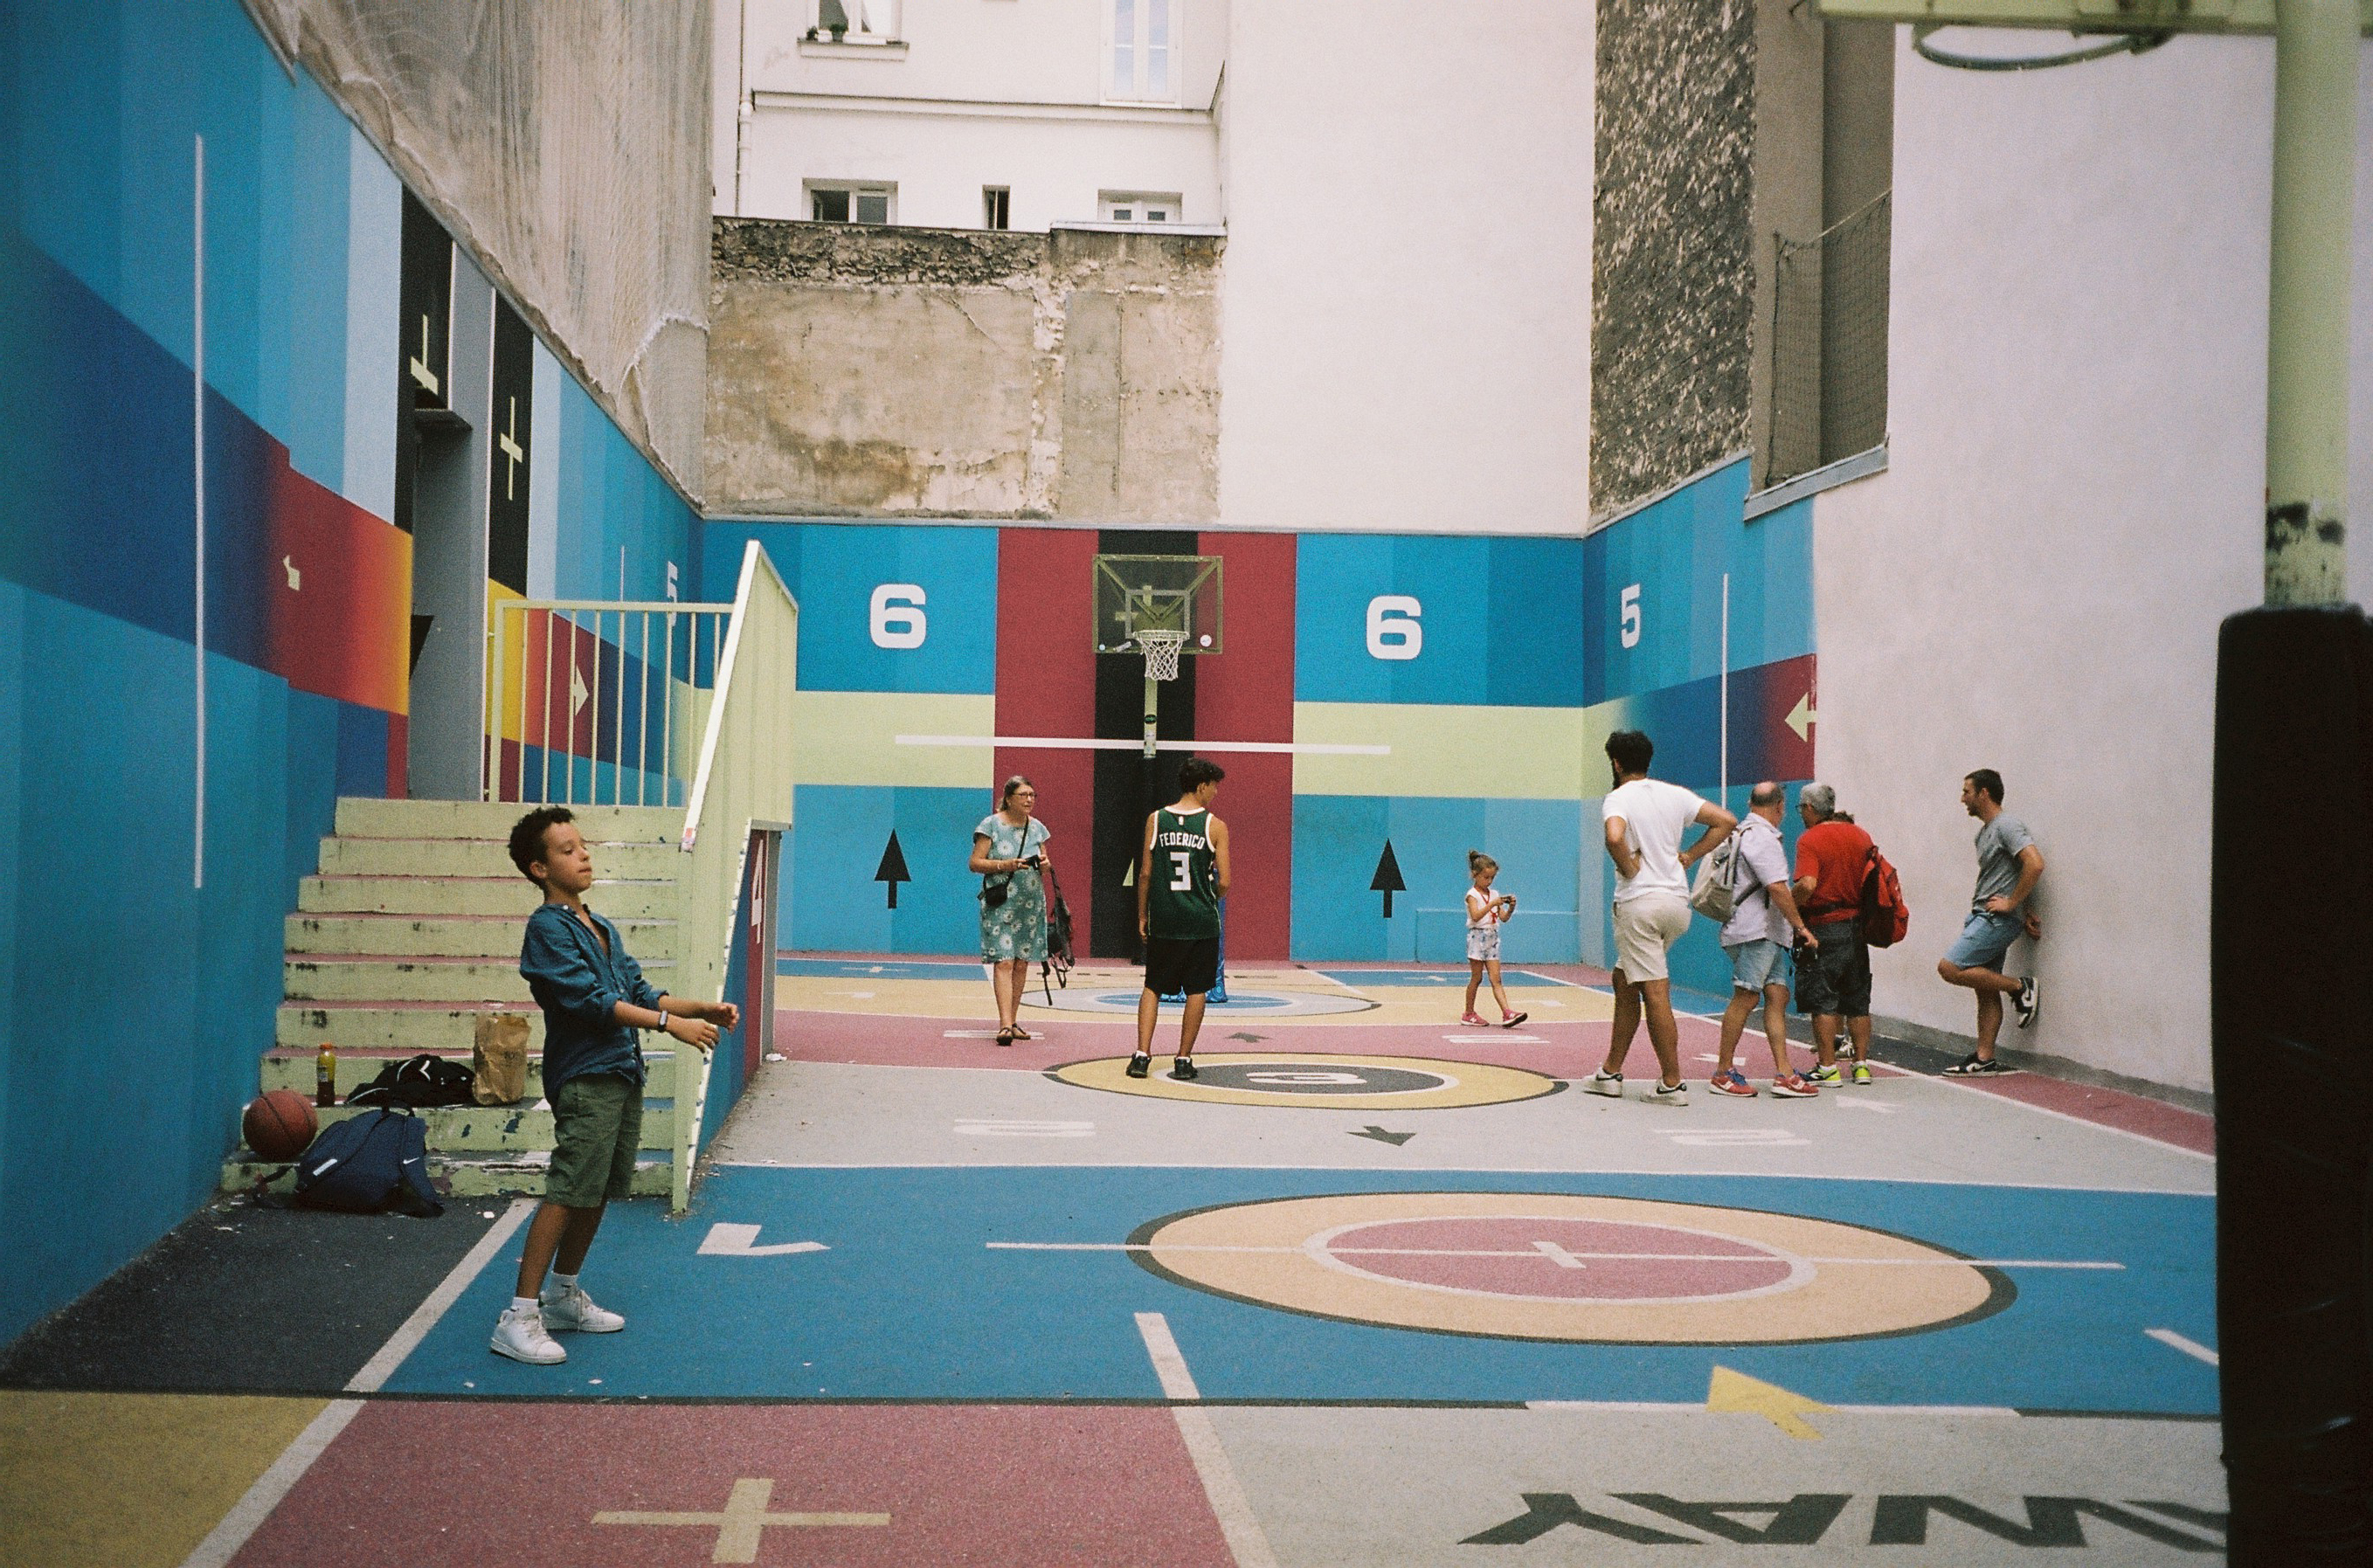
(1182,877)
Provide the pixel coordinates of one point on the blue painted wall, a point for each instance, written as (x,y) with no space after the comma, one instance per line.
(155,998)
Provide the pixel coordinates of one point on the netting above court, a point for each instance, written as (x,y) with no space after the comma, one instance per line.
(567,147)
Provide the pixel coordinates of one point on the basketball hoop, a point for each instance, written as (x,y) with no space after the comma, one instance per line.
(1160,647)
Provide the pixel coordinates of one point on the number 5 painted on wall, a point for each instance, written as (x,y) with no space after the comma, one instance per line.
(1632,616)
(1392,628)
(897,615)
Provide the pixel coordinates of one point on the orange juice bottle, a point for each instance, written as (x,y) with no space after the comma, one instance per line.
(325,1075)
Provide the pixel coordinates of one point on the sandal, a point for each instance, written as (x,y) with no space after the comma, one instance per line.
(1005,1036)
(1019,1033)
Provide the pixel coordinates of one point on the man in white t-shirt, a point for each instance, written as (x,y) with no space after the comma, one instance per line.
(1645,819)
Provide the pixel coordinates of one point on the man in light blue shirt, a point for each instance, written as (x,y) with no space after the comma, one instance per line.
(1763,918)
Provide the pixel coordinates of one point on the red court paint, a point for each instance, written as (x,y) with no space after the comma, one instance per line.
(1001,1484)
(2106,1107)
(1046,686)
(1563,1260)
(1246,694)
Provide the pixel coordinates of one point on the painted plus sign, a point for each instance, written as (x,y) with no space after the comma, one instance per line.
(744,1522)
(512,451)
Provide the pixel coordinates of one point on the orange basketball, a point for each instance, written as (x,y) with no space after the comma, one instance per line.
(279,1124)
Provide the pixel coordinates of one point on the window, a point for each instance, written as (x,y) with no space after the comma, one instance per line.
(856,21)
(996,207)
(1138,206)
(1144,50)
(850,203)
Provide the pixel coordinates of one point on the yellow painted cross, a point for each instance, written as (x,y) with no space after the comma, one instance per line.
(1731,1390)
(514,452)
(743,1521)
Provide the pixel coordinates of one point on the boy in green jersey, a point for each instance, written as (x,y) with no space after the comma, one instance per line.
(1182,874)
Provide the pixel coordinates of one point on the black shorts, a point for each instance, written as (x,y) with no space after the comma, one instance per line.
(1175,964)
(1835,981)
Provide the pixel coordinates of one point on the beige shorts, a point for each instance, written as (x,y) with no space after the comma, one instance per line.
(1644,928)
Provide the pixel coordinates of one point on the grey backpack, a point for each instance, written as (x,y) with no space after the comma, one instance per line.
(1715,893)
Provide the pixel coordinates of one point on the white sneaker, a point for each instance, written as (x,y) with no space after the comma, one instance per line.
(573,1312)
(1677,1094)
(1605,1082)
(519,1334)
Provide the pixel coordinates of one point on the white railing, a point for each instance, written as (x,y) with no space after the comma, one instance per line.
(597,703)
(742,783)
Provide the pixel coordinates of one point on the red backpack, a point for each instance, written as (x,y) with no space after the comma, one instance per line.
(1884,917)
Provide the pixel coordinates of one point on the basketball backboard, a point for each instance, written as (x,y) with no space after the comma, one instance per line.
(1136,593)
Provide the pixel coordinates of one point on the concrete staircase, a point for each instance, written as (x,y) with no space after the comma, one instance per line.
(412,929)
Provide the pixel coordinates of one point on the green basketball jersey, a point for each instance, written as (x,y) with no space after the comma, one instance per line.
(1182,897)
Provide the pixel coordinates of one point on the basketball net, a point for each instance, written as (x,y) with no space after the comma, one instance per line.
(1161,649)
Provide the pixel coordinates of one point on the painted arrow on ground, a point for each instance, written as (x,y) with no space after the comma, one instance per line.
(725,1240)
(1381,1136)
(1240,1035)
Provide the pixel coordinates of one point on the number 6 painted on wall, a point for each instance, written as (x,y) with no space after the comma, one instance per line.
(897,615)
(1393,629)
(1632,616)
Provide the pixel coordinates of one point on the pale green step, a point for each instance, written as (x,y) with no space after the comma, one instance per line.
(512,1129)
(365,1026)
(478,856)
(292,1067)
(361,818)
(464,1175)
(418,980)
(509,894)
(449,936)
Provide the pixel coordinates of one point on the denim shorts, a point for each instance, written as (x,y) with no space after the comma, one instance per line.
(1985,939)
(1755,965)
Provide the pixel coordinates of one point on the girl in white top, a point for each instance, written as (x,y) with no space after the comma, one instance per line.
(1486,912)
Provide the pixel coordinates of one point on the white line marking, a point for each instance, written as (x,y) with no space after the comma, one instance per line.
(1169,1365)
(1025,1129)
(1540,1249)
(1246,1542)
(969,1034)
(247,1515)
(2192,1348)
(2063,1115)
(1498,1037)
(1862,1102)
(1557,1255)
(726,1240)
(1082,743)
(1738,1137)
(405,1339)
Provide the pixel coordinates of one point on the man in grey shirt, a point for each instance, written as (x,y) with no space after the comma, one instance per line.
(2009,865)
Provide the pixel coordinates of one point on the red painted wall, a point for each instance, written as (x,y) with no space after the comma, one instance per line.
(1046,686)
(1245,693)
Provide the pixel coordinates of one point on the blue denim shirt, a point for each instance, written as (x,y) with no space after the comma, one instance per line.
(577,985)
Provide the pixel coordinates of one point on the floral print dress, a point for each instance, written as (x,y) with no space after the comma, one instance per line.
(1015,930)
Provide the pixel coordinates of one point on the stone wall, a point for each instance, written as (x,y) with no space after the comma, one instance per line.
(1673,250)
(884,372)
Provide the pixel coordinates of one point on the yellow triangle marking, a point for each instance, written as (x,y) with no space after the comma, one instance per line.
(1735,1391)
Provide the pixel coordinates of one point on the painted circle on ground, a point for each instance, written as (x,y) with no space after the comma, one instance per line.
(1565,1267)
(1316,1081)
(1260,1004)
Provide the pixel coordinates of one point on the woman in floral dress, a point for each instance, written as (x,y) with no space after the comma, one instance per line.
(1009,848)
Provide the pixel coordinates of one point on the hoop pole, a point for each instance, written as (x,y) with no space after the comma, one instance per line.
(1152,704)
(2307,336)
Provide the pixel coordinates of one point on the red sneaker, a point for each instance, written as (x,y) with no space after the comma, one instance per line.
(1733,1083)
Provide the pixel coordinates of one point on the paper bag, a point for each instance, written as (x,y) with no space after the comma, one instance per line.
(498,1060)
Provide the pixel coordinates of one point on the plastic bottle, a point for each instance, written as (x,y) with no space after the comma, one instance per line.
(325,1075)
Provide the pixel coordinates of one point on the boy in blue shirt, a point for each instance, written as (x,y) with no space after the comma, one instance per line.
(594,999)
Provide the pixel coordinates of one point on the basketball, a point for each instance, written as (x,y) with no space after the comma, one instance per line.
(278,1123)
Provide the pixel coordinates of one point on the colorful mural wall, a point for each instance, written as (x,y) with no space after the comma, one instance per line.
(1423,694)
(141,997)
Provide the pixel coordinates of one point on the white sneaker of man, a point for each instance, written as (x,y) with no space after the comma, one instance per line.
(571,1311)
(519,1334)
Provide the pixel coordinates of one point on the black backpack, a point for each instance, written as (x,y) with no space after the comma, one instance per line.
(368,1163)
(417,1081)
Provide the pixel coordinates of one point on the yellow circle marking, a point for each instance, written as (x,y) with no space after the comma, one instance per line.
(1451,1083)
(1833,1280)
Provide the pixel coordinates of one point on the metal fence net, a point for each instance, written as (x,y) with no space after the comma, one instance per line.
(1828,345)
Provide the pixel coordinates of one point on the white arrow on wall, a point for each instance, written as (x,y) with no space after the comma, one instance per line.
(1801,717)
(740,1241)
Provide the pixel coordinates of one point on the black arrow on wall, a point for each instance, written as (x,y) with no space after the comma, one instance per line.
(892,869)
(1387,880)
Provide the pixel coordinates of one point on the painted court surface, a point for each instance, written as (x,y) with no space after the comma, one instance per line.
(1378,1289)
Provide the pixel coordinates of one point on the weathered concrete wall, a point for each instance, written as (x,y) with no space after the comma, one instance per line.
(906,371)
(1673,243)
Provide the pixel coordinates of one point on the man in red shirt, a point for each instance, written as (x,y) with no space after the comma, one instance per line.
(1832,965)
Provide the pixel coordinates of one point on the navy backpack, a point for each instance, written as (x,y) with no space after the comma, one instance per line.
(368,1164)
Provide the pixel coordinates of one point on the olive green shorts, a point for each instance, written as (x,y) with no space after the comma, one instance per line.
(597,1124)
